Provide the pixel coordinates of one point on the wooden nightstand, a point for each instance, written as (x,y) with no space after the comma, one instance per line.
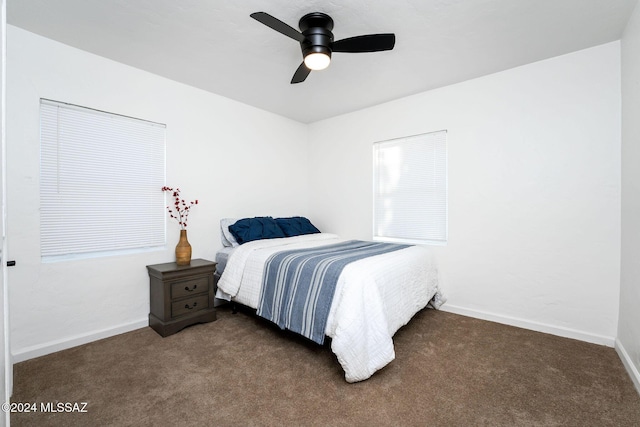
(181,295)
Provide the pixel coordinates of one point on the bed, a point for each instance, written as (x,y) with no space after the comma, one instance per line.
(373,297)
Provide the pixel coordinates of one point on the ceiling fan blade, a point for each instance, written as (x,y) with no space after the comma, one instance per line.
(301,74)
(367,43)
(277,25)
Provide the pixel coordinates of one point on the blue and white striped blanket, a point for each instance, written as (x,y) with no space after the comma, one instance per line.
(298,285)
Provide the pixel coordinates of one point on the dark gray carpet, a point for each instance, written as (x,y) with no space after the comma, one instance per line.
(449,370)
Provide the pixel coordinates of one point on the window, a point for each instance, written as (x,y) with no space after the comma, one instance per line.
(101,176)
(410,189)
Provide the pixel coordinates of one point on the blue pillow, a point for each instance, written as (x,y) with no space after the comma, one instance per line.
(249,229)
(296,226)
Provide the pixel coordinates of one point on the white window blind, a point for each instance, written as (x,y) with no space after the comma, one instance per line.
(410,189)
(101,177)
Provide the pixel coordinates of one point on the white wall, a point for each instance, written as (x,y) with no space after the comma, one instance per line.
(629,323)
(237,160)
(534,189)
(6,375)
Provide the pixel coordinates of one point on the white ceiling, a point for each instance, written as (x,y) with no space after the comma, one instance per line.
(214,44)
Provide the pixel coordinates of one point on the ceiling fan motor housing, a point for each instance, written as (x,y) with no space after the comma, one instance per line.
(316,28)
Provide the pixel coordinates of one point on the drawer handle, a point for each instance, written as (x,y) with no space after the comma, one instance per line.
(186,288)
(192,307)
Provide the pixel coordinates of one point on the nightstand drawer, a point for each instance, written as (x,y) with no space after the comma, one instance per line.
(189,305)
(190,287)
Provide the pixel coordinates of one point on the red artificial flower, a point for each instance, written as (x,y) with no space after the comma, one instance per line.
(180,213)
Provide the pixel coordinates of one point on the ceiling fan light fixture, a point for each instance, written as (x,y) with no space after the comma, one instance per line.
(317,61)
(317,43)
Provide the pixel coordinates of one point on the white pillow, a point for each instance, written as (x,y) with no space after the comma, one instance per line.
(225,235)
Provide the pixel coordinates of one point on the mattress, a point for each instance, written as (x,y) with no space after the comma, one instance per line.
(374,296)
(222,256)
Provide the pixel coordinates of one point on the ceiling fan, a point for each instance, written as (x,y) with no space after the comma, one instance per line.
(316,41)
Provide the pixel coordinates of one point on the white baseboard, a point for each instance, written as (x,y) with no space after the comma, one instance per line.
(534,326)
(628,364)
(53,346)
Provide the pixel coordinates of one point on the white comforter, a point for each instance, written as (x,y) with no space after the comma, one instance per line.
(374,296)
